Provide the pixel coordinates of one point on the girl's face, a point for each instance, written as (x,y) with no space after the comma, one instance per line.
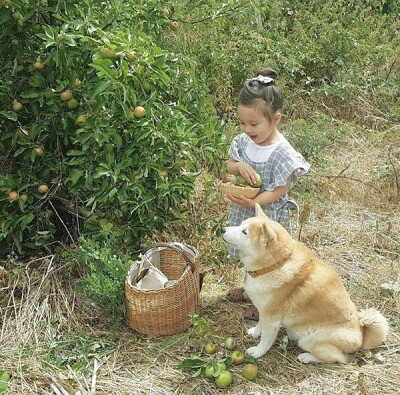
(257,126)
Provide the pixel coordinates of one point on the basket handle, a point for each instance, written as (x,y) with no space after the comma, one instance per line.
(172,247)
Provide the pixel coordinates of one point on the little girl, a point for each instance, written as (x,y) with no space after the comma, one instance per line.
(262,149)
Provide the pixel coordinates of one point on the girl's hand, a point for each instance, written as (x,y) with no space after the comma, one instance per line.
(242,201)
(247,172)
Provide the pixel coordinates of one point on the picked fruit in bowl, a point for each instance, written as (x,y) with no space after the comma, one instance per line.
(237,186)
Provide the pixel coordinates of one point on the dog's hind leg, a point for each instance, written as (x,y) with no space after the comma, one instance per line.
(324,353)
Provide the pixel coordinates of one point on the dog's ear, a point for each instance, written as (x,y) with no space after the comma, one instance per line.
(259,211)
(266,234)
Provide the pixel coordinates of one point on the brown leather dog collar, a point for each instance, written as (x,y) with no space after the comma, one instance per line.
(260,272)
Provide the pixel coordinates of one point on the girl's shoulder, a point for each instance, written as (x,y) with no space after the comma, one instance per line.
(242,139)
(284,148)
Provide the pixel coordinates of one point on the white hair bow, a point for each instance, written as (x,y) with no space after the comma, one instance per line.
(263,79)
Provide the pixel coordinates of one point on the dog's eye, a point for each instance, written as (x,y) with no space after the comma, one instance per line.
(244,231)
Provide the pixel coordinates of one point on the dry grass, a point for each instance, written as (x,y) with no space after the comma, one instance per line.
(48,331)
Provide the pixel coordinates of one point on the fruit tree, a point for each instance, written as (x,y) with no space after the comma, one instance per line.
(72,72)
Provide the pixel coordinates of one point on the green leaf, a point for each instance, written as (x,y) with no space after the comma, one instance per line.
(192,363)
(9,115)
(30,95)
(100,87)
(75,175)
(4,377)
(104,70)
(197,373)
(37,81)
(27,219)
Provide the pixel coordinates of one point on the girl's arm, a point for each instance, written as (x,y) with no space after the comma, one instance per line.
(263,198)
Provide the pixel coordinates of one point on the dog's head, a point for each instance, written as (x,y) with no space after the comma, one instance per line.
(259,239)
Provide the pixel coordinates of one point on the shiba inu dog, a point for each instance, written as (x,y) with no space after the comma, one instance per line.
(292,288)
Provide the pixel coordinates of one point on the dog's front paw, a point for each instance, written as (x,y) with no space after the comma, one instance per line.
(255,352)
(254,332)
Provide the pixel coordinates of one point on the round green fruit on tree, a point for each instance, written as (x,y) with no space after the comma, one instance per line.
(81,119)
(66,95)
(43,189)
(224,380)
(112,54)
(250,371)
(14,42)
(17,106)
(17,16)
(139,112)
(209,370)
(131,55)
(77,83)
(48,94)
(72,104)
(230,343)
(105,52)
(13,195)
(38,151)
(24,198)
(38,65)
(131,113)
(209,348)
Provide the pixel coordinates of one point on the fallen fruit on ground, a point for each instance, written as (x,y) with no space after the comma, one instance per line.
(250,371)
(237,357)
(209,370)
(224,379)
(43,189)
(165,11)
(220,365)
(230,343)
(174,25)
(209,348)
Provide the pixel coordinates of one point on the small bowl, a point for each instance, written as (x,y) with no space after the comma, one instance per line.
(237,191)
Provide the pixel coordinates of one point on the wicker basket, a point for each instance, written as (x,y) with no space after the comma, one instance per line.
(237,191)
(165,311)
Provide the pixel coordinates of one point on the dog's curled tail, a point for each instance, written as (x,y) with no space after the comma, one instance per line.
(375,328)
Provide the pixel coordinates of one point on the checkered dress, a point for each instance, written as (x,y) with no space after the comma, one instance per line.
(275,165)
